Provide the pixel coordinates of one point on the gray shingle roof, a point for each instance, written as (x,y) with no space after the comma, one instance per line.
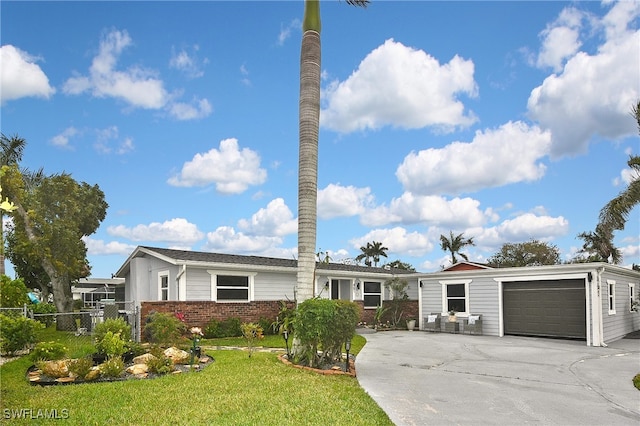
(207,257)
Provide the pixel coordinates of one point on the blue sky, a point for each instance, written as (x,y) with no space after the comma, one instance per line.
(506,121)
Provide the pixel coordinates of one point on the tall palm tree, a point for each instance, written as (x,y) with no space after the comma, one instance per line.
(366,253)
(309,123)
(454,244)
(11,149)
(377,250)
(615,213)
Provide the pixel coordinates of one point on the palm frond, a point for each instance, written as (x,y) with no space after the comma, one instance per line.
(360,3)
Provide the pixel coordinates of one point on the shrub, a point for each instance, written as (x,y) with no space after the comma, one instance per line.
(46,310)
(266,325)
(159,363)
(112,367)
(16,333)
(252,332)
(111,345)
(227,328)
(13,293)
(636,381)
(47,351)
(284,320)
(323,324)
(163,328)
(80,367)
(114,325)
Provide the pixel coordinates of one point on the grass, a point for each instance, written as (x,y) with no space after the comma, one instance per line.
(235,390)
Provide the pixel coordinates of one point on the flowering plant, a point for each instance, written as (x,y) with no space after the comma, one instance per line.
(196,334)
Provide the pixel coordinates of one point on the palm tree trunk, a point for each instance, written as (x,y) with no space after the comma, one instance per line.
(310,57)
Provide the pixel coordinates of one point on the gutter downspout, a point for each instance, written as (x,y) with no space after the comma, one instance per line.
(181,273)
(600,271)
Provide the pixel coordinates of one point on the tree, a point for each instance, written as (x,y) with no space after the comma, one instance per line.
(598,246)
(372,251)
(52,216)
(10,153)
(454,244)
(530,253)
(615,213)
(309,123)
(398,264)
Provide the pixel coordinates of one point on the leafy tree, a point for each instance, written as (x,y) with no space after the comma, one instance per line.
(309,123)
(530,253)
(401,265)
(53,215)
(13,293)
(454,244)
(10,153)
(598,246)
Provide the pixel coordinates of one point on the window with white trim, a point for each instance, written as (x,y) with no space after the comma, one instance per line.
(231,286)
(455,296)
(632,298)
(163,286)
(372,294)
(611,292)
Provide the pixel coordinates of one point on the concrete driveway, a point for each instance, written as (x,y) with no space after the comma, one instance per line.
(419,378)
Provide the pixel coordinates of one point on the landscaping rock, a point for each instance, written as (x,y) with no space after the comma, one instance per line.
(93,374)
(138,369)
(142,359)
(177,356)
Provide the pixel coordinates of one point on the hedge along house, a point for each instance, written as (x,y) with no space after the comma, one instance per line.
(586,301)
(204,285)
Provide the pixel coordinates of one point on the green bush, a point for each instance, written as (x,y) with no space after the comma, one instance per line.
(115,326)
(636,381)
(111,345)
(252,332)
(80,367)
(112,367)
(16,333)
(48,351)
(266,325)
(47,310)
(163,328)
(13,293)
(159,363)
(227,328)
(323,324)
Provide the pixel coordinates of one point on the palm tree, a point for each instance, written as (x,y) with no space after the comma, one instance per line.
(10,153)
(454,244)
(615,213)
(309,123)
(598,245)
(365,255)
(377,250)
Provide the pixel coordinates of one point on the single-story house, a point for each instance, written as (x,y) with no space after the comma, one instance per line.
(586,301)
(204,285)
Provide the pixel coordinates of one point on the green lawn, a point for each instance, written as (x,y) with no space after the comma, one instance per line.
(235,390)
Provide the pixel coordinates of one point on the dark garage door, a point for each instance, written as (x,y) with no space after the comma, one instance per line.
(545,308)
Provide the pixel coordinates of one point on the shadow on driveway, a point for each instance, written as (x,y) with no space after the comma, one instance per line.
(420,378)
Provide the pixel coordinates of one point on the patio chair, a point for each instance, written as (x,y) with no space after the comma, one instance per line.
(473,324)
(432,322)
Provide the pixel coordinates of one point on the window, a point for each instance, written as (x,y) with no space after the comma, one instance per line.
(164,286)
(455,296)
(232,287)
(632,297)
(611,285)
(372,294)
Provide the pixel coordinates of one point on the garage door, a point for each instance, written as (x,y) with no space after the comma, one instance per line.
(545,308)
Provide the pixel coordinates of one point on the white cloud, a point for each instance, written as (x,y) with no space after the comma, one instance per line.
(522,228)
(337,200)
(137,86)
(274,220)
(62,140)
(509,154)
(431,210)
(177,230)
(226,239)
(402,87)
(20,76)
(100,247)
(108,136)
(560,39)
(398,240)
(285,31)
(188,62)
(594,93)
(231,169)
(199,108)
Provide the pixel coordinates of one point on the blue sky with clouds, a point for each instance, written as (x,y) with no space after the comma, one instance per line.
(506,121)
